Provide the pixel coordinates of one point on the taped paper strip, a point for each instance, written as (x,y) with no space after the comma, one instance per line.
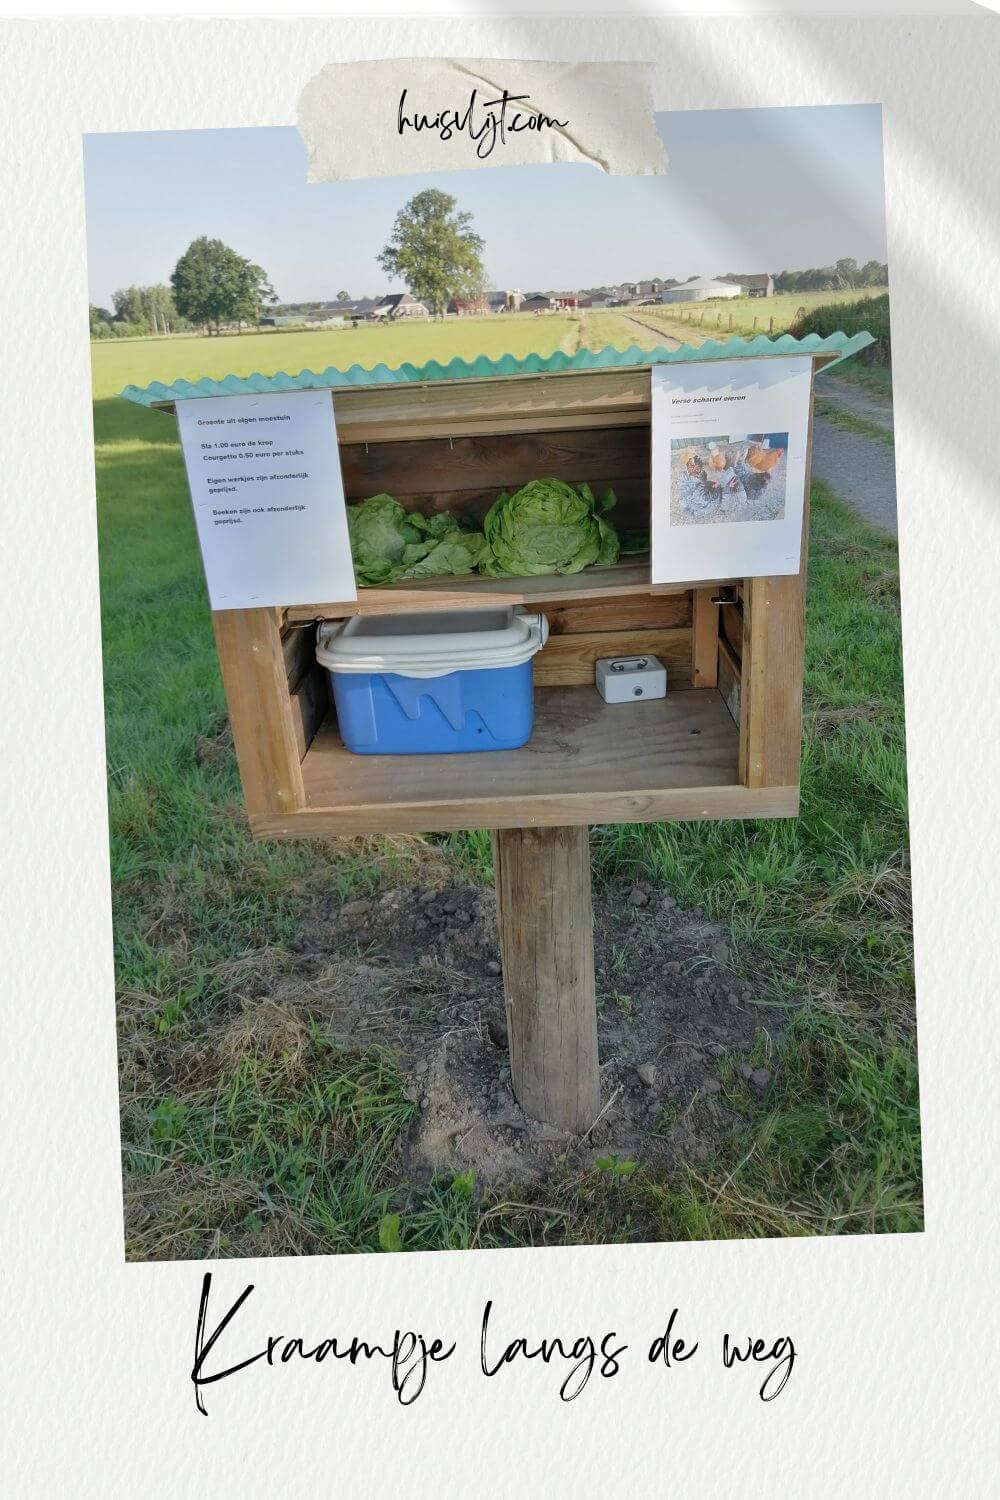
(398,116)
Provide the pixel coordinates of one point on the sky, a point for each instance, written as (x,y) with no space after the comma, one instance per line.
(747,190)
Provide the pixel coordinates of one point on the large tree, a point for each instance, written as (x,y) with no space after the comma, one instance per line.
(213,285)
(434,249)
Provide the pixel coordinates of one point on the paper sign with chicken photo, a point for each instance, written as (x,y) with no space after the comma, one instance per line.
(729,441)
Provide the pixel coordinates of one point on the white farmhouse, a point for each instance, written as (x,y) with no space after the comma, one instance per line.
(702,289)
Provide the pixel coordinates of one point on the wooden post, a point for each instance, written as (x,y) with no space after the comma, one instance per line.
(546,924)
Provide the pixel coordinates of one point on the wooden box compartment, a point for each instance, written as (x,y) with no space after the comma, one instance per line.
(725,741)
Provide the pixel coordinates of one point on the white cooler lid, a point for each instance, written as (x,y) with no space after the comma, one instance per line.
(431,643)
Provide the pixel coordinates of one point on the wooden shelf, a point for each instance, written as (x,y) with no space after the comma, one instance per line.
(624,578)
(586,762)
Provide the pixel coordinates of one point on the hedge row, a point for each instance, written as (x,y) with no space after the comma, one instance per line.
(869,314)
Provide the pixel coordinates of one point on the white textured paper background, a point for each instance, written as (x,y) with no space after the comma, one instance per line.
(897,1337)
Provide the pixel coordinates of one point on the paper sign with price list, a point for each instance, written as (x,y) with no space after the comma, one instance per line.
(268,496)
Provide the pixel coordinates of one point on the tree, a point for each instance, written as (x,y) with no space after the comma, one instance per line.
(212,285)
(874,273)
(343,296)
(100,323)
(434,249)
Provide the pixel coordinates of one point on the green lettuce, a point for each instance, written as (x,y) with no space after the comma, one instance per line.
(548,526)
(388,544)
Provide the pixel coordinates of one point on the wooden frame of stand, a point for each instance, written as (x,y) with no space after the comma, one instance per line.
(725,743)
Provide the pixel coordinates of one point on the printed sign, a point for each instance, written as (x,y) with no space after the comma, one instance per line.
(268,497)
(729,441)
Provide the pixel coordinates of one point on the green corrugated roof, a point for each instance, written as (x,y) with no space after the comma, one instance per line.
(837,344)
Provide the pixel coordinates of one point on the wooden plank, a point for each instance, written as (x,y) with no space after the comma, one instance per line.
(440,466)
(772,665)
(310,703)
(705,639)
(628,577)
(731,626)
(675,758)
(546,925)
(627,612)
(451,408)
(771,682)
(298,647)
(569,659)
(655,805)
(729,679)
(255,679)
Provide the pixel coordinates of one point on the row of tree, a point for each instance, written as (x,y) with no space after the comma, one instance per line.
(841,276)
(433,249)
(211,285)
(137,310)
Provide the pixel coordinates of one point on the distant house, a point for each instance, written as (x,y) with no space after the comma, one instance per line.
(651,288)
(469,307)
(701,289)
(754,283)
(399,305)
(597,299)
(565,299)
(537,302)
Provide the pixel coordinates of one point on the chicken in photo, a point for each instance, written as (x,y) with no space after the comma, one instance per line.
(763,460)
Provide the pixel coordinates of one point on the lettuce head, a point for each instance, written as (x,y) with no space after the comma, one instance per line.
(388,544)
(548,526)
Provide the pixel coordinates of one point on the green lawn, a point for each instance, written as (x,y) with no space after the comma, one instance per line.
(289,1150)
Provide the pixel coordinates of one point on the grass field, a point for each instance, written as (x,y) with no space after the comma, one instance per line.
(744,315)
(248,1151)
(122,362)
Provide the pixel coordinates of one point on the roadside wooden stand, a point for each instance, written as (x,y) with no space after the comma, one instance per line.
(724,743)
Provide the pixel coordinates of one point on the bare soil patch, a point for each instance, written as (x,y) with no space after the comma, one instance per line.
(417,970)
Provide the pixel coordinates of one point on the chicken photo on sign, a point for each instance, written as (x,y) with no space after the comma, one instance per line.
(728,478)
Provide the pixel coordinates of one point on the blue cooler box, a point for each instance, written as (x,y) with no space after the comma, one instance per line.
(433,684)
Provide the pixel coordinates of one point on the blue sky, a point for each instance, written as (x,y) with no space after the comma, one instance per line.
(747,190)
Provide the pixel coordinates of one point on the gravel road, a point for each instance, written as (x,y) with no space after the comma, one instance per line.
(860,470)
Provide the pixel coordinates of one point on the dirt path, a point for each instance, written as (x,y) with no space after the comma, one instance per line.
(860,470)
(851,399)
(666,339)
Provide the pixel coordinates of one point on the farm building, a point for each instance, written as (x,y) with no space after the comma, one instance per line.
(753,283)
(469,307)
(701,289)
(399,305)
(537,302)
